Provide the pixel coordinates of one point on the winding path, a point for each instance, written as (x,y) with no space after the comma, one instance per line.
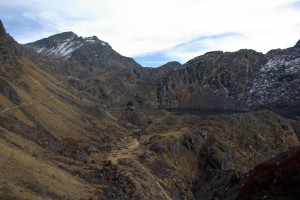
(114,156)
(127,153)
(26,104)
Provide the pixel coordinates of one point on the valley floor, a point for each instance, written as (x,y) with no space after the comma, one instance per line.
(161,156)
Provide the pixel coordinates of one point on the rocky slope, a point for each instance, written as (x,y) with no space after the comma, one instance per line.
(208,157)
(68,132)
(47,131)
(240,80)
(214,80)
(273,179)
(276,83)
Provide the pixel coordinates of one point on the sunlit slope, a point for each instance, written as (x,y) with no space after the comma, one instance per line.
(48,133)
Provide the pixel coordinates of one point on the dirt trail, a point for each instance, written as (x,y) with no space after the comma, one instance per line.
(127,152)
(26,104)
(115,155)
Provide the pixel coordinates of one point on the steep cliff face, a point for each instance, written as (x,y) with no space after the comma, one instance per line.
(240,80)
(214,80)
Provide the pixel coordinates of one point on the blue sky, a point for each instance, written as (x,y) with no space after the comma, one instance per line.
(158,31)
(195,45)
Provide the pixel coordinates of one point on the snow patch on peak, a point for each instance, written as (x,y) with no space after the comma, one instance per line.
(276,82)
(62,46)
(92,39)
(64,49)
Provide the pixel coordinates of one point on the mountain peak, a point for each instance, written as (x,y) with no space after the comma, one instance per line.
(2,29)
(64,36)
(60,45)
(87,51)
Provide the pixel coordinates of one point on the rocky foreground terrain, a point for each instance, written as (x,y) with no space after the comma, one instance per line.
(80,121)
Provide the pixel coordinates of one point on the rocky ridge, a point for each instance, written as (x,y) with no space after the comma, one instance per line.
(214,80)
(242,80)
(239,80)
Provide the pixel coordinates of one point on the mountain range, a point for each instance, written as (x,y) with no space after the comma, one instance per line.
(81,121)
(244,79)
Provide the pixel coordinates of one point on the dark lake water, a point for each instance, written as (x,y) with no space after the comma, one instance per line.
(203,112)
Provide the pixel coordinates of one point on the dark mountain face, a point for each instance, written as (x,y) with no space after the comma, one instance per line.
(214,80)
(276,83)
(240,80)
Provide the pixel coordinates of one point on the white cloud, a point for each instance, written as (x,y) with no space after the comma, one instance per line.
(136,27)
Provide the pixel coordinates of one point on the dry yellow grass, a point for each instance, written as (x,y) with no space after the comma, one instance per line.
(34,177)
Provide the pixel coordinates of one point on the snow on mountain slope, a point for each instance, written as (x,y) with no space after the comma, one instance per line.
(277,82)
(94,39)
(80,57)
(237,80)
(63,50)
(62,45)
